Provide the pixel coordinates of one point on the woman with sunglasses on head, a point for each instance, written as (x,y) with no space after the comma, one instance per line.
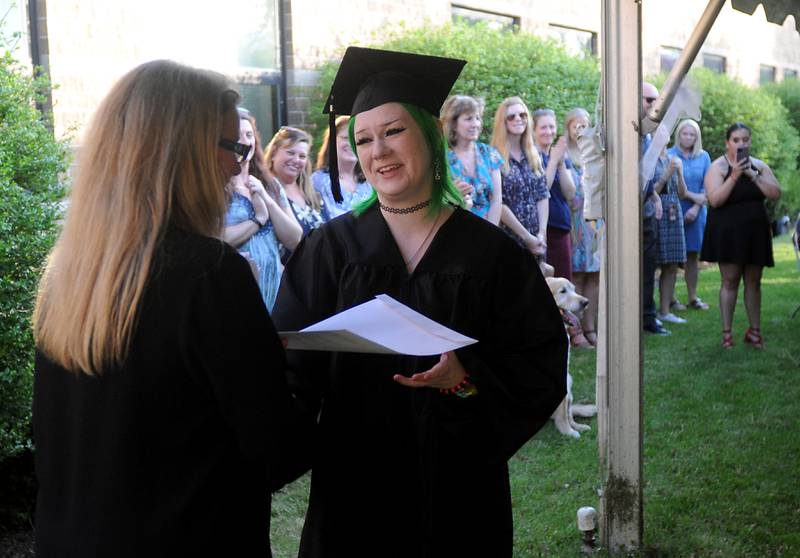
(475,166)
(738,234)
(287,160)
(161,413)
(420,442)
(354,185)
(258,218)
(525,194)
(562,191)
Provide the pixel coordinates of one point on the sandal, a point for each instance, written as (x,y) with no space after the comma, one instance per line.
(753,337)
(698,304)
(727,339)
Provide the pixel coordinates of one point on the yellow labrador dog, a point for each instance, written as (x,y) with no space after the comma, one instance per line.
(572,306)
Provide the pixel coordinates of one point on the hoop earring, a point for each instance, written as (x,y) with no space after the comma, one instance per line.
(437,171)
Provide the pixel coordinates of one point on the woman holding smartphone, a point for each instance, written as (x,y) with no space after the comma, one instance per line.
(737,233)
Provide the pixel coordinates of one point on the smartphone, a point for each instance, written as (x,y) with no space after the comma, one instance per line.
(742,153)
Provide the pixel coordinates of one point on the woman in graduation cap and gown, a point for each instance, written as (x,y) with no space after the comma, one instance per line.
(411,459)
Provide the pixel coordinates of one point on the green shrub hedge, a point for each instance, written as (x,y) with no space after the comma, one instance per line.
(775,140)
(31,161)
(500,64)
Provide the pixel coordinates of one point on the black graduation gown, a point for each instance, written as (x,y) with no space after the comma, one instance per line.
(412,472)
(173,453)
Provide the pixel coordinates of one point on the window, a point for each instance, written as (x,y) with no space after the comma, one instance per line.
(789,74)
(669,55)
(261,94)
(767,74)
(714,63)
(576,41)
(493,19)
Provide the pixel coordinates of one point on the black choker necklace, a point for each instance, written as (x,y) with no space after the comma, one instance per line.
(405,210)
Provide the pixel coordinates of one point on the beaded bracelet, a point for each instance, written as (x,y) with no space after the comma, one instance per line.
(462,389)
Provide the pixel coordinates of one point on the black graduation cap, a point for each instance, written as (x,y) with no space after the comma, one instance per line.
(369,77)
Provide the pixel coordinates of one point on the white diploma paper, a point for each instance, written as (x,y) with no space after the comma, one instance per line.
(382,325)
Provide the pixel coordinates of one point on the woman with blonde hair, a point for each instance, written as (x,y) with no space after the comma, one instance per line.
(562,191)
(159,398)
(587,236)
(287,159)
(475,166)
(354,187)
(525,205)
(688,148)
(258,219)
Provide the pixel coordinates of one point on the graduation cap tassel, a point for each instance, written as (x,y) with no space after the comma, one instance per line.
(333,155)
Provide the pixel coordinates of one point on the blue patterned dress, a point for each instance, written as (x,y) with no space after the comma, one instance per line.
(487,159)
(694,174)
(587,236)
(671,242)
(263,247)
(522,191)
(321,181)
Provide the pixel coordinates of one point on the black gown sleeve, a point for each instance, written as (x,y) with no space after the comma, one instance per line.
(308,293)
(519,365)
(230,343)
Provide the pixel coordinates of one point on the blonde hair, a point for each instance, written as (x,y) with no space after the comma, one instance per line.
(286,137)
(453,108)
(572,145)
(500,137)
(697,148)
(149,161)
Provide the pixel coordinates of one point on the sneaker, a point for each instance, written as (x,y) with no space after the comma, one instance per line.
(656,329)
(671,318)
(659,323)
(698,304)
(677,306)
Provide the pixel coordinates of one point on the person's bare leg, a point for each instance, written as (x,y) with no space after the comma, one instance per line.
(729,288)
(576,334)
(752,294)
(592,292)
(666,286)
(690,275)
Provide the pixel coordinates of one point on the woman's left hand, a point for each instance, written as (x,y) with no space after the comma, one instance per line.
(691,214)
(446,374)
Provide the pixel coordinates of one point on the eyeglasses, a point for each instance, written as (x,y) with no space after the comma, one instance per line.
(512,117)
(650,99)
(240,149)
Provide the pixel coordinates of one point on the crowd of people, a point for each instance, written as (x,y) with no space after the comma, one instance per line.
(166,410)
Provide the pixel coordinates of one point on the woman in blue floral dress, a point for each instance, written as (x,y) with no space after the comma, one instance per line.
(525,194)
(475,166)
(587,236)
(354,186)
(258,219)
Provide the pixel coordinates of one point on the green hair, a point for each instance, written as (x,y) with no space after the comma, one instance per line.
(444,191)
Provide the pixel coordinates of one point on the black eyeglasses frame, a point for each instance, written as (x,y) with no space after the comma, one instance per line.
(242,150)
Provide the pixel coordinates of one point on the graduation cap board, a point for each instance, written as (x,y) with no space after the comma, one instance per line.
(368,78)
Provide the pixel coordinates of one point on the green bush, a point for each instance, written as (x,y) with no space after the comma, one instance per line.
(31,161)
(500,64)
(788,91)
(775,140)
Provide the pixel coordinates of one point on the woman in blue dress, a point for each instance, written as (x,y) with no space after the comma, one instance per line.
(258,217)
(688,148)
(354,186)
(475,166)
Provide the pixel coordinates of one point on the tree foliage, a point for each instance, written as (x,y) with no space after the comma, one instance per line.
(31,161)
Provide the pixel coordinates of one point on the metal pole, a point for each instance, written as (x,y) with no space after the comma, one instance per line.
(682,65)
(621,519)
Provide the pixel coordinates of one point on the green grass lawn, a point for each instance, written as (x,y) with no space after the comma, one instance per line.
(721,442)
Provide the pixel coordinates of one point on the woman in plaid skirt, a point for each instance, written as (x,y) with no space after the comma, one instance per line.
(671,241)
